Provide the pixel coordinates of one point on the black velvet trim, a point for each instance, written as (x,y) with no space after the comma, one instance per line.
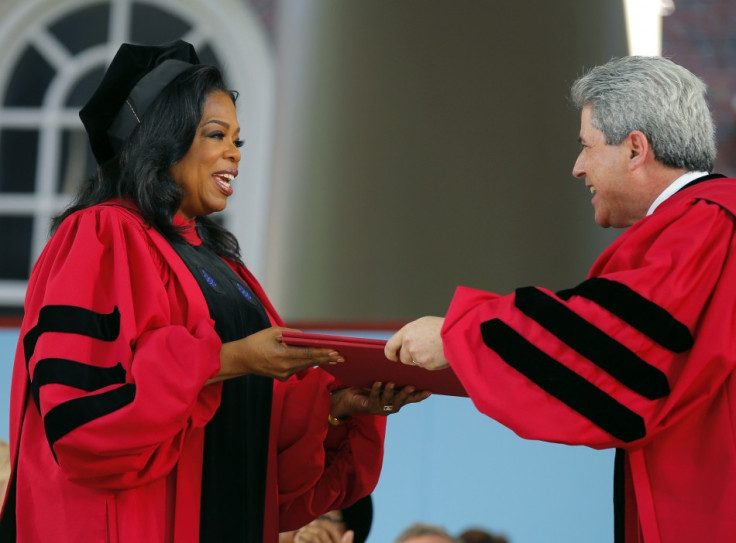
(619,511)
(60,371)
(70,319)
(562,383)
(592,343)
(644,315)
(236,440)
(704,178)
(70,415)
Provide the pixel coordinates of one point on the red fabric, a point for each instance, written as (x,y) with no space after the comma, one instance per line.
(683,471)
(134,474)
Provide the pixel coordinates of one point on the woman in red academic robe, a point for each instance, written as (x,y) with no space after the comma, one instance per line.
(143,404)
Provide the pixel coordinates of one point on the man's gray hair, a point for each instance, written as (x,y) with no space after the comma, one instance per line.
(657,97)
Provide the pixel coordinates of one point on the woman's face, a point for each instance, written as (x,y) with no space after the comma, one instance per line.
(207,170)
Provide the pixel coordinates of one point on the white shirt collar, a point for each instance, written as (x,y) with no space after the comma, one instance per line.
(676,185)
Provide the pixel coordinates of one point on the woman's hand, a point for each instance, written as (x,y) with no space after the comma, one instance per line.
(263,353)
(378,400)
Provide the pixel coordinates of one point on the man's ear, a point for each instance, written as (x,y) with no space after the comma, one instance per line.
(639,148)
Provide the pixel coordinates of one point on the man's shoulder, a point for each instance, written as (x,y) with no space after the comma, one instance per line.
(720,191)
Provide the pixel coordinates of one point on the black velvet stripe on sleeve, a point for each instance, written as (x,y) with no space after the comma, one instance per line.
(70,319)
(74,374)
(562,383)
(592,343)
(644,315)
(67,416)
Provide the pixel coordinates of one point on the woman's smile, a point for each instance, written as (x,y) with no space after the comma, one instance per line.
(223,179)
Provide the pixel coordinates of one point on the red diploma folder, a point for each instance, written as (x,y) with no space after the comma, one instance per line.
(365,364)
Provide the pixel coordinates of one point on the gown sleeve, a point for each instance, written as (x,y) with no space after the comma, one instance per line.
(322,467)
(116,355)
(615,360)
(316,467)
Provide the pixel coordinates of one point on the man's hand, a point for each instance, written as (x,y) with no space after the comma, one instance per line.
(419,343)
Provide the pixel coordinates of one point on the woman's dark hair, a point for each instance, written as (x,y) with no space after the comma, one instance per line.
(140,172)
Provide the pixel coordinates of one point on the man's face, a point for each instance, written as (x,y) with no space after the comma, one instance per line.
(617,199)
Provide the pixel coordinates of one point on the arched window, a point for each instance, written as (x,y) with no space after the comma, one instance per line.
(52,56)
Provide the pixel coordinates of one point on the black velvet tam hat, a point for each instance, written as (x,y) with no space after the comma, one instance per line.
(135,77)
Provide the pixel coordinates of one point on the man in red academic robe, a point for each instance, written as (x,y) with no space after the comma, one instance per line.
(640,356)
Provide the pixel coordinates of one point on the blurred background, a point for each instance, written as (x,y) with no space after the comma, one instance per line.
(394,150)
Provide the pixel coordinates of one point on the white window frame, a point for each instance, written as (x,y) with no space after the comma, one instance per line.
(237,39)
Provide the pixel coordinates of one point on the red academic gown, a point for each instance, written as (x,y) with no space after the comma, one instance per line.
(107,437)
(638,357)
